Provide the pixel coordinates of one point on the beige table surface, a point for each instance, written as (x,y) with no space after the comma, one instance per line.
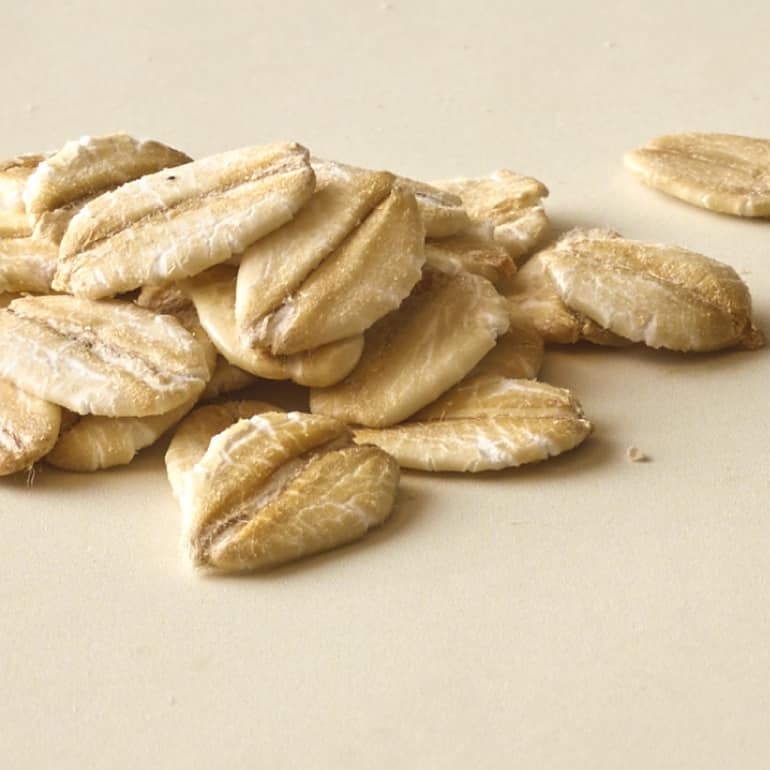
(585,613)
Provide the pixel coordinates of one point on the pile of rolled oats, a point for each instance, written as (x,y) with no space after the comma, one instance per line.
(137,285)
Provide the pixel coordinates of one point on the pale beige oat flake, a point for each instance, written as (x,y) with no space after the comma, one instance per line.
(506,202)
(441,211)
(276,487)
(92,442)
(28,428)
(486,423)
(517,354)
(178,222)
(14,173)
(110,358)
(664,296)
(169,299)
(82,170)
(535,294)
(93,164)
(192,436)
(411,356)
(472,251)
(26,264)
(213,293)
(722,172)
(366,277)
(276,266)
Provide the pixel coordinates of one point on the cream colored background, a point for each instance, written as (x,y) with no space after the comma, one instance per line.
(586,613)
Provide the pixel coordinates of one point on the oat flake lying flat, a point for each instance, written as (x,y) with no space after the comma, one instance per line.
(369,275)
(14,173)
(275,267)
(534,293)
(279,486)
(413,355)
(509,203)
(28,428)
(178,222)
(26,264)
(109,358)
(486,423)
(213,293)
(664,296)
(92,442)
(721,172)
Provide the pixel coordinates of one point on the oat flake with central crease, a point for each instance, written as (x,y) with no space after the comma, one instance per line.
(275,487)
(486,423)
(444,328)
(664,296)
(722,172)
(110,358)
(178,222)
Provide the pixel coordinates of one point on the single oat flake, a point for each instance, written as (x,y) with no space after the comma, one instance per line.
(722,172)
(110,358)
(92,442)
(486,423)
(664,296)
(91,165)
(275,267)
(364,278)
(277,486)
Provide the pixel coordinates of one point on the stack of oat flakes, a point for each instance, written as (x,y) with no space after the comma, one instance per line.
(141,287)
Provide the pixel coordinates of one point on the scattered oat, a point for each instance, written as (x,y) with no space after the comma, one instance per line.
(722,172)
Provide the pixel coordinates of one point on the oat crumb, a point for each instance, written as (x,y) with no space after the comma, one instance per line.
(635,455)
